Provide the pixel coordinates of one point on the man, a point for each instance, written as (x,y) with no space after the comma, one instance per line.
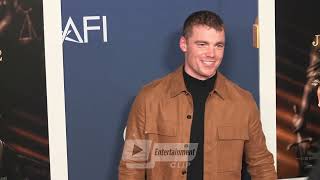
(196,104)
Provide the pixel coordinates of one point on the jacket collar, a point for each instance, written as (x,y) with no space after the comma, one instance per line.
(178,85)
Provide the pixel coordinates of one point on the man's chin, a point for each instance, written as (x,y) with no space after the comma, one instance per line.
(208,75)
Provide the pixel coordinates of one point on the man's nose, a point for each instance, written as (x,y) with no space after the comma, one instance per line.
(210,52)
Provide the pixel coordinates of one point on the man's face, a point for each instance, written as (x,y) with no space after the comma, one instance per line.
(203,49)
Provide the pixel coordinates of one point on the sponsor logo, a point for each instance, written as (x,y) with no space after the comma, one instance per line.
(71,32)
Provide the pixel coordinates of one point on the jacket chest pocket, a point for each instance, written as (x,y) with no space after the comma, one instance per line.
(230,148)
(161,122)
(162,131)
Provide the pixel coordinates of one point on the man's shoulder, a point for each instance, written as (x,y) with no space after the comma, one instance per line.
(157,87)
(235,92)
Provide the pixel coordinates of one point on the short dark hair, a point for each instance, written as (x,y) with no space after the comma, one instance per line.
(203,17)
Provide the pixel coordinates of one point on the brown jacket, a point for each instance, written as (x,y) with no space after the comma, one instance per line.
(162,113)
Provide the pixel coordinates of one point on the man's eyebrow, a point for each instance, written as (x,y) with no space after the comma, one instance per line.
(220,42)
(200,41)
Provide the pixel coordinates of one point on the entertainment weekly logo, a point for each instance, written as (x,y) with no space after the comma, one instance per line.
(143,154)
(71,32)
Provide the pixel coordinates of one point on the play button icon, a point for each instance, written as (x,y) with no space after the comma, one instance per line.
(136,150)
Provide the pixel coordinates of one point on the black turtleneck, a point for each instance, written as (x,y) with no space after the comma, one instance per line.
(199,90)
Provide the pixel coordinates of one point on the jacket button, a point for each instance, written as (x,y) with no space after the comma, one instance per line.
(189,116)
(184,172)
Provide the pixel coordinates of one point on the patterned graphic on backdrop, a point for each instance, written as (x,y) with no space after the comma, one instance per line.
(298,70)
(24,146)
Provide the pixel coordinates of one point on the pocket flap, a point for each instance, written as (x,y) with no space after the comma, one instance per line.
(164,128)
(232,133)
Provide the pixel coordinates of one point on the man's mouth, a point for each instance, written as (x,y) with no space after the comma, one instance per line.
(208,62)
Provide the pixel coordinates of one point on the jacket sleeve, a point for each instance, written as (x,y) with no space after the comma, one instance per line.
(134,132)
(259,159)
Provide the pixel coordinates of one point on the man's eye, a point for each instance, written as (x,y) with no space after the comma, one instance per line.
(220,46)
(201,44)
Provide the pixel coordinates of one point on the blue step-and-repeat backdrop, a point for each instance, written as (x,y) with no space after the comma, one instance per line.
(112,48)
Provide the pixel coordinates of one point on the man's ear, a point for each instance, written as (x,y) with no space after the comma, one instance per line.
(183,44)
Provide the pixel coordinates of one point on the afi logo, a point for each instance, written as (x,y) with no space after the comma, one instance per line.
(71,28)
